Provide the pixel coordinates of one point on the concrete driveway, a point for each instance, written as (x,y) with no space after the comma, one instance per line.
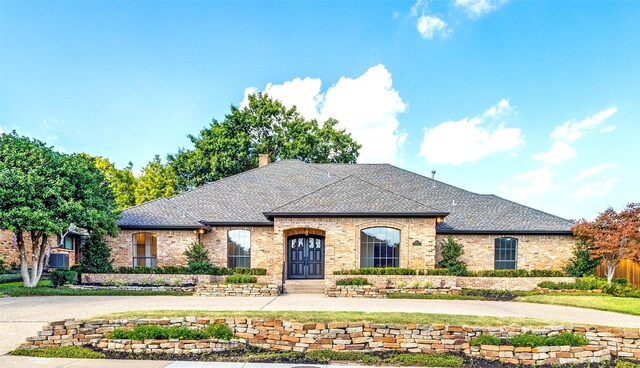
(21,317)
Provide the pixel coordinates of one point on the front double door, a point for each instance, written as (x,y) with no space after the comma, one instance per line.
(305,255)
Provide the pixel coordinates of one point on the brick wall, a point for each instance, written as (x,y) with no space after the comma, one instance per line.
(342,240)
(550,252)
(171,245)
(9,249)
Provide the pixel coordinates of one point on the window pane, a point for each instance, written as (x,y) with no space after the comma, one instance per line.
(380,247)
(506,253)
(239,248)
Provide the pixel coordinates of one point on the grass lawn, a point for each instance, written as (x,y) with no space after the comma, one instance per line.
(44,289)
(324,316)
(592,301)
(60,352)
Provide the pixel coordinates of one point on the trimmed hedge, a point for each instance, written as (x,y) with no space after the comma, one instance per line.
(183,270)
(240,279)
(60,277)
(445,272)
(531,340)
(153,332)
(10,277)
(356,281)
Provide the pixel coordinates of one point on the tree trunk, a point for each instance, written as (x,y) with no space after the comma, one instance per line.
(24,267)
(39,253)
(611,269)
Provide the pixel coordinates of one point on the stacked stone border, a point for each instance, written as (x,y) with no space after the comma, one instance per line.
(354,336)
(200,285)
(383,284)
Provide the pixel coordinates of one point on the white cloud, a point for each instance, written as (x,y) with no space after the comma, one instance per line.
(468,139)
(367,106)
(594,170)
(429,26)
(559,151)
(572,130)
(531,183)
(1,130)
(595,189)
(476,8)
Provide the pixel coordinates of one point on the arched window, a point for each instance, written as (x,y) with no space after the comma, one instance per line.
(506,254)
(379,247)
(145,249)
(238,248)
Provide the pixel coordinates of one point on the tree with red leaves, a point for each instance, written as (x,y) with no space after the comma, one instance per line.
(612,236)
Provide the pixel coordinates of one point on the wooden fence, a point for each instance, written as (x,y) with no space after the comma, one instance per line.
(627,269)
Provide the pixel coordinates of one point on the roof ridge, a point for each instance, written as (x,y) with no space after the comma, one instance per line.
(400,195)
(231,176)
(531,208)
(310,193)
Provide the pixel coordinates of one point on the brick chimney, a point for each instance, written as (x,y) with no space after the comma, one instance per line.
(263,159)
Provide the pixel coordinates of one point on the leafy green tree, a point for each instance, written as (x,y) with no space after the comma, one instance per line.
(266,126)
(451,253)
(122,181)
(43,192)
(157,180)
(96,255)
(582,263)
(198,259)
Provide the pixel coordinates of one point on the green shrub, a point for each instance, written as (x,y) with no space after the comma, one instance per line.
(623,282)
(353,281)
(258,271)
(437,272)
(517,273)
(240,279)
(488,294)
(219,331)
(378,271)
(582,264)
(584,283)
(626,364)
(426,360)
(60,352)
(10,277)
(144,332)
(451,252)
(76,267)
(242,271)
(3,269)
(616,290)
(96,255)
(60,277)
(528,340)
(198,259)
(485,340)
(567,338)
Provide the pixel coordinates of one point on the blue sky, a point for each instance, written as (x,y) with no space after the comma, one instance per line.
(534,101)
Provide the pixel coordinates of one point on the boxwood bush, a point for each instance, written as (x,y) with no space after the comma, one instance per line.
(357,281)
(10,277)
(144,332)
(60,277)
(485,340)
(445,272)
(240,279)
(182,270)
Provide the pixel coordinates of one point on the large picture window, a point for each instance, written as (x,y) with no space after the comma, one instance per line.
(380,247)
(145,249)
(506,254)
(238,248)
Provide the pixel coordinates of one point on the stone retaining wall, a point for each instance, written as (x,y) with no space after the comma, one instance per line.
(238,290)
(135,288)
(369,291)
(169,279)
(493,283)
(357,336)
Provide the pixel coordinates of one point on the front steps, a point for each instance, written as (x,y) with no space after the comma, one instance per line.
(303,287)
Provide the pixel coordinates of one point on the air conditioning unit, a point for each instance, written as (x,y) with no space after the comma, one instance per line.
(58,260)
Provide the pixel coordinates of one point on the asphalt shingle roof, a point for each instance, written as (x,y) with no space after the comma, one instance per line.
(296,187)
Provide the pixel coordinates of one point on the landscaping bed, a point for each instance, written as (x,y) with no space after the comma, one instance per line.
(192,335)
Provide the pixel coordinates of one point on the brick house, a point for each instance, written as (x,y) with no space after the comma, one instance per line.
(303,221)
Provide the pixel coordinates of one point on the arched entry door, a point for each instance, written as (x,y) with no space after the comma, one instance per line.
(305,257)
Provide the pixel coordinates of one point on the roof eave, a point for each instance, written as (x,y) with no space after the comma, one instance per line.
(160,227)
(237,223)
(355,214)
(506,232)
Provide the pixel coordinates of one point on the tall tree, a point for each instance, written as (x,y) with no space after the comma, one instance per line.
(43,192)
(612,236)
(122,181)
(265,125)
(157,180)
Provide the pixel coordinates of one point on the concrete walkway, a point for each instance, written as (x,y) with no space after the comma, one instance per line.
(22,317)
(29,362)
